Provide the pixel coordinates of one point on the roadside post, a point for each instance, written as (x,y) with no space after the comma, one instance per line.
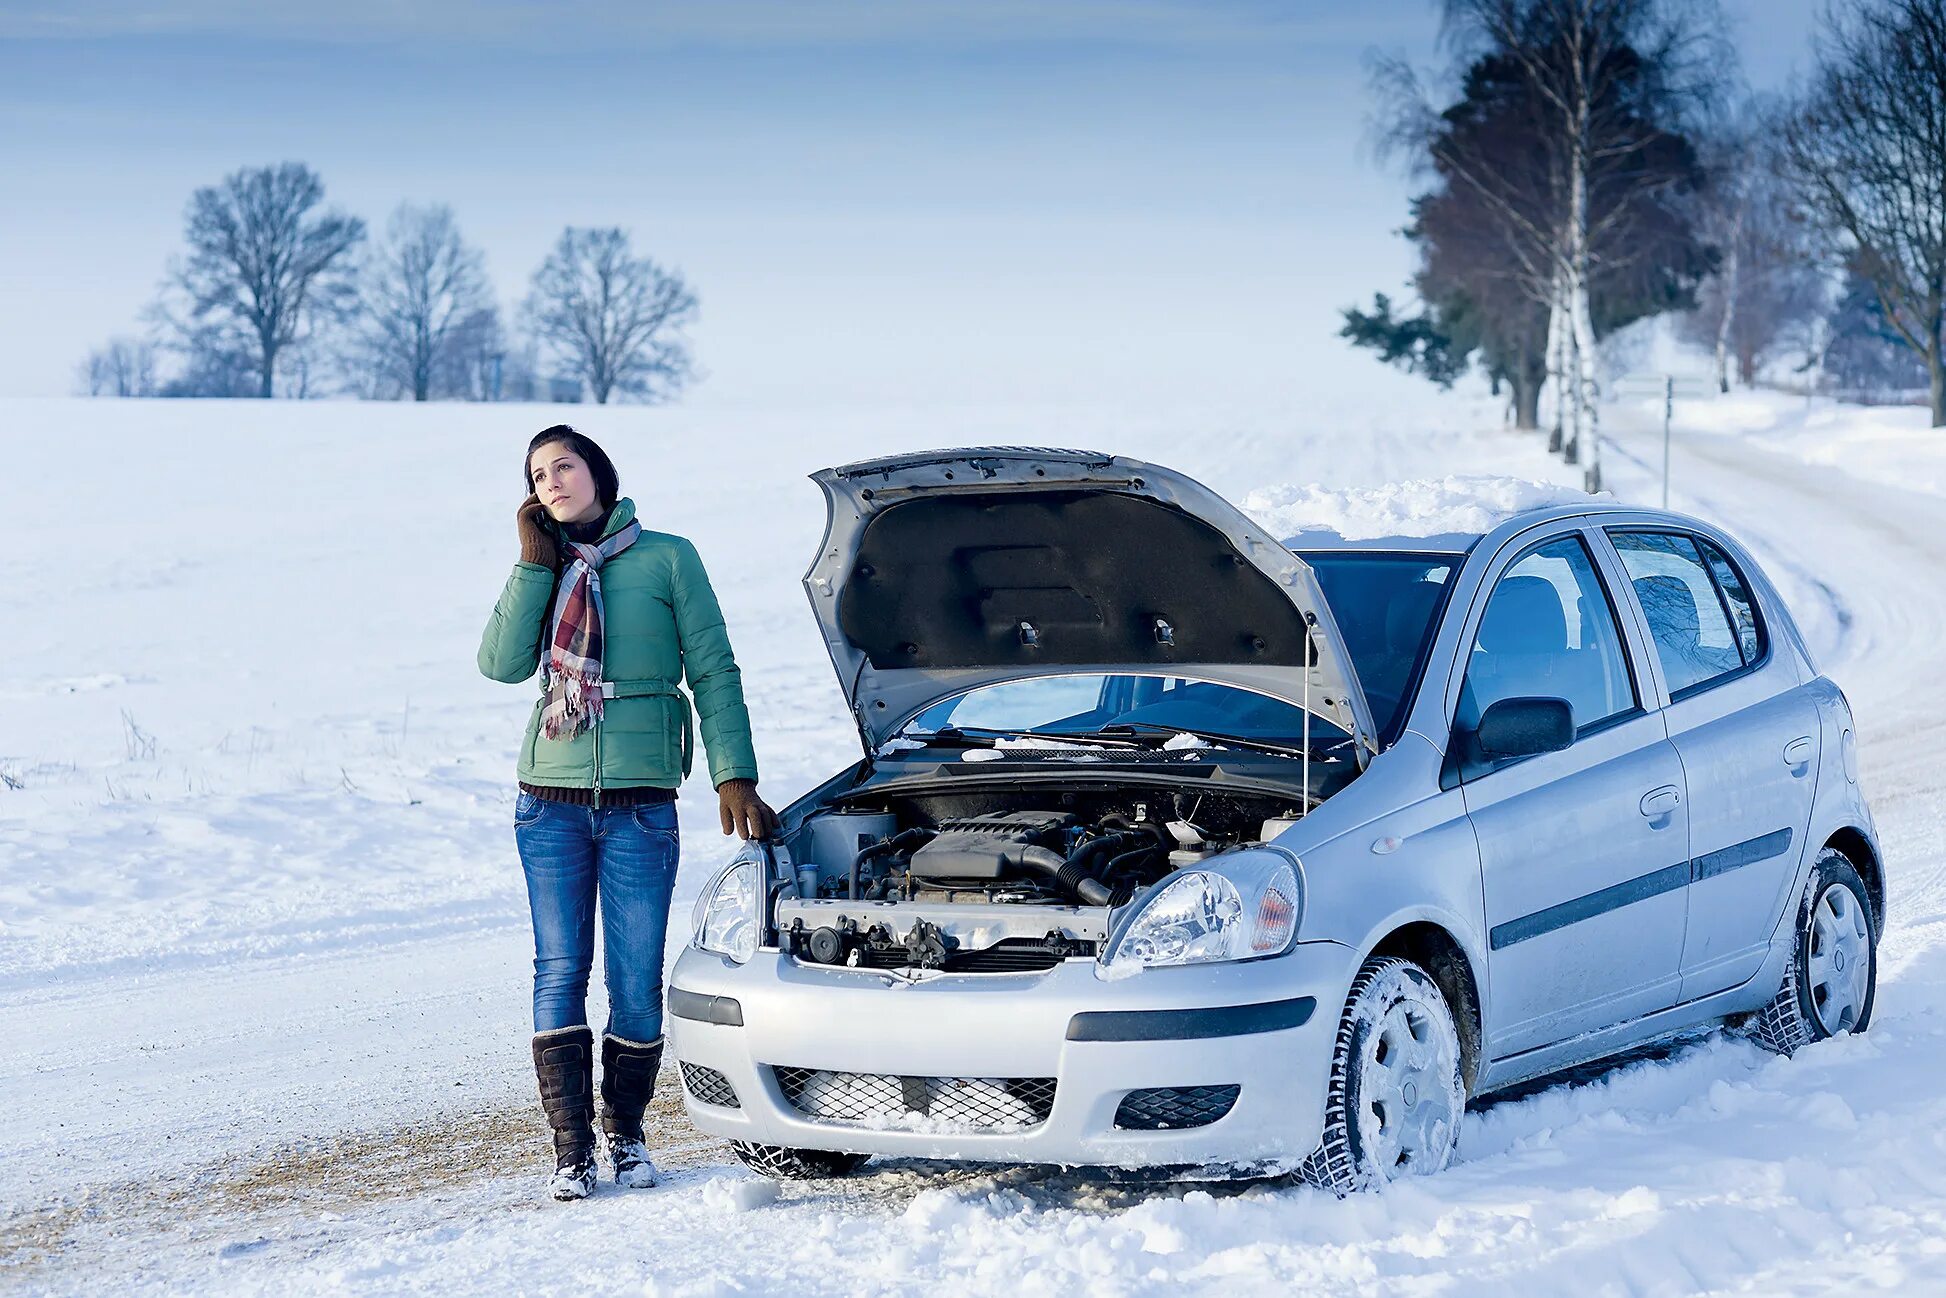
(1668,387)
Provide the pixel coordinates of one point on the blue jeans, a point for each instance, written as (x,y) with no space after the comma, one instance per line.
(627,856)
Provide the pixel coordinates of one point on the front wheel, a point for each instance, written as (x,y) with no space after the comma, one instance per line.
(1396,1094)
(783,1163)
(1832,980)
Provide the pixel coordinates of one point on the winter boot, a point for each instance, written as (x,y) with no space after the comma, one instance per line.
(627,1084)
(564,1064)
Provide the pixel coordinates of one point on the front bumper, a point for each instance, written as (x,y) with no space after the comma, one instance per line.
(1023,1026)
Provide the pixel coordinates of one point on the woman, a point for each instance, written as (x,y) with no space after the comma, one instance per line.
(613,615)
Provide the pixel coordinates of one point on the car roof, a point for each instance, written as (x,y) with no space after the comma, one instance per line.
(1331,542)
(1324,541)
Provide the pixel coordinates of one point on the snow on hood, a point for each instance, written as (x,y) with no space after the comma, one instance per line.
(1457,505)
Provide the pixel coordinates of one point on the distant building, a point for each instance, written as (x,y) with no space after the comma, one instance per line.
(564,389)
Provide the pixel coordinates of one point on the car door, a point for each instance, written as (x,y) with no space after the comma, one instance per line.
(1748,735)
(1583,851)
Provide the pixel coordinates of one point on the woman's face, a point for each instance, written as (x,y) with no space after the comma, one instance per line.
(562,481)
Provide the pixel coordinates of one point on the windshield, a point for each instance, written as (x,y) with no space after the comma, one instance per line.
(1089,704)
(1386,606)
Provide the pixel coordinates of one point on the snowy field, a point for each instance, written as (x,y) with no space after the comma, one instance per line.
(264,946)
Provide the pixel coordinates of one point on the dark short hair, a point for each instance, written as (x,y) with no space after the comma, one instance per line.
(608,483)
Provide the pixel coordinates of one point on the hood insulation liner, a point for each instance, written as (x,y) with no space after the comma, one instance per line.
(999,579)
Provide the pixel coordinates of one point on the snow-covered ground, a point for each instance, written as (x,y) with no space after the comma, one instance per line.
(1891,445)
(263,943)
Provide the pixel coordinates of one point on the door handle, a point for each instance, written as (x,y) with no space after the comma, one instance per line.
(1657,803)
(1798,751)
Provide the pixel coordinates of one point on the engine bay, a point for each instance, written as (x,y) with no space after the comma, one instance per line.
(1000,881)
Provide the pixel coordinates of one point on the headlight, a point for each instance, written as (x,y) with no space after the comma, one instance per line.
(1242,907)
(729,913)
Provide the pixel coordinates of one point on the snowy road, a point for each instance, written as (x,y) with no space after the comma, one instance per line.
(291,1121)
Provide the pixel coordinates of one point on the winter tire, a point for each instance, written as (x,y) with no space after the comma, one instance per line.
(1832,979)
(786,1164)
(1396,1093)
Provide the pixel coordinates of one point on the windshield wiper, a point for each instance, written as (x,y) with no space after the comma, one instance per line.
(989,737)
(1212,736)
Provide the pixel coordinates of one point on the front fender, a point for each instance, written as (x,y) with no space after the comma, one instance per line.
(1404,854)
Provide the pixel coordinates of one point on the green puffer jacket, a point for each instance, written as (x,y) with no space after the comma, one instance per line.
(660,624)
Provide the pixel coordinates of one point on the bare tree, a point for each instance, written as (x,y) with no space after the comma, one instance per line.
(1863,358)
(125,367)
(473,363)
(1867,152)
(93,374)
(215,364)
(420,284)
(615,320)
(517,371)
(1726,215)
(263,270)
(1769,291)
(1595,142)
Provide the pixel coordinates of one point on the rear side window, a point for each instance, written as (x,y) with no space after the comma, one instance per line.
(1702,631)
(1736,598)
(1549,632)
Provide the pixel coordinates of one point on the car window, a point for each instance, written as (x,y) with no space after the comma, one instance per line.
(1736,597)
(1037,702)
(1689,618)
(1549,632)
(1385,606)
(1084,703)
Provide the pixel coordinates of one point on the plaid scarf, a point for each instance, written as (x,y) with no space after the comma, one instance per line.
(574,637)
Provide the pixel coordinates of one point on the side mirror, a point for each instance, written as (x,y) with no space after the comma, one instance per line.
(1524,727)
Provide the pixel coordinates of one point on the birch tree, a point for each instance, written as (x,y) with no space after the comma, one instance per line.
(1598,132)
(1500,226)
(1769,289)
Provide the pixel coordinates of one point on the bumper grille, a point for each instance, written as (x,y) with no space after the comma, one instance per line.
(1172,1108)
(991,1103)
(707,1086)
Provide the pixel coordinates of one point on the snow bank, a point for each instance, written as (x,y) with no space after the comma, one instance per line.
(1893,446)
(1460,504)
(1890,445)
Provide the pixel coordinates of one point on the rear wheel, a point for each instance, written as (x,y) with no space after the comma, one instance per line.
(1832,980)
(1396,1094)
(787,1164)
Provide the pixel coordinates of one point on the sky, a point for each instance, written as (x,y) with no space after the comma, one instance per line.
(887,201)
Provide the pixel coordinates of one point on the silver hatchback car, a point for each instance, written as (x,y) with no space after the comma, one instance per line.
(1171,845)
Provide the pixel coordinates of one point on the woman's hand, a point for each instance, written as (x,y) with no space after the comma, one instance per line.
(744,813)
(536,546)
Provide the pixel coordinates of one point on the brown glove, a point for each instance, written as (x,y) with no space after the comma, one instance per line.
(743,812)
(536,546)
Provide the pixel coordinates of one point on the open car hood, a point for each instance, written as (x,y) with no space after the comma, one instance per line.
(942,571)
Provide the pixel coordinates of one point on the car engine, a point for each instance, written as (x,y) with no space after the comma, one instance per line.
(944,884)
(1017,855)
